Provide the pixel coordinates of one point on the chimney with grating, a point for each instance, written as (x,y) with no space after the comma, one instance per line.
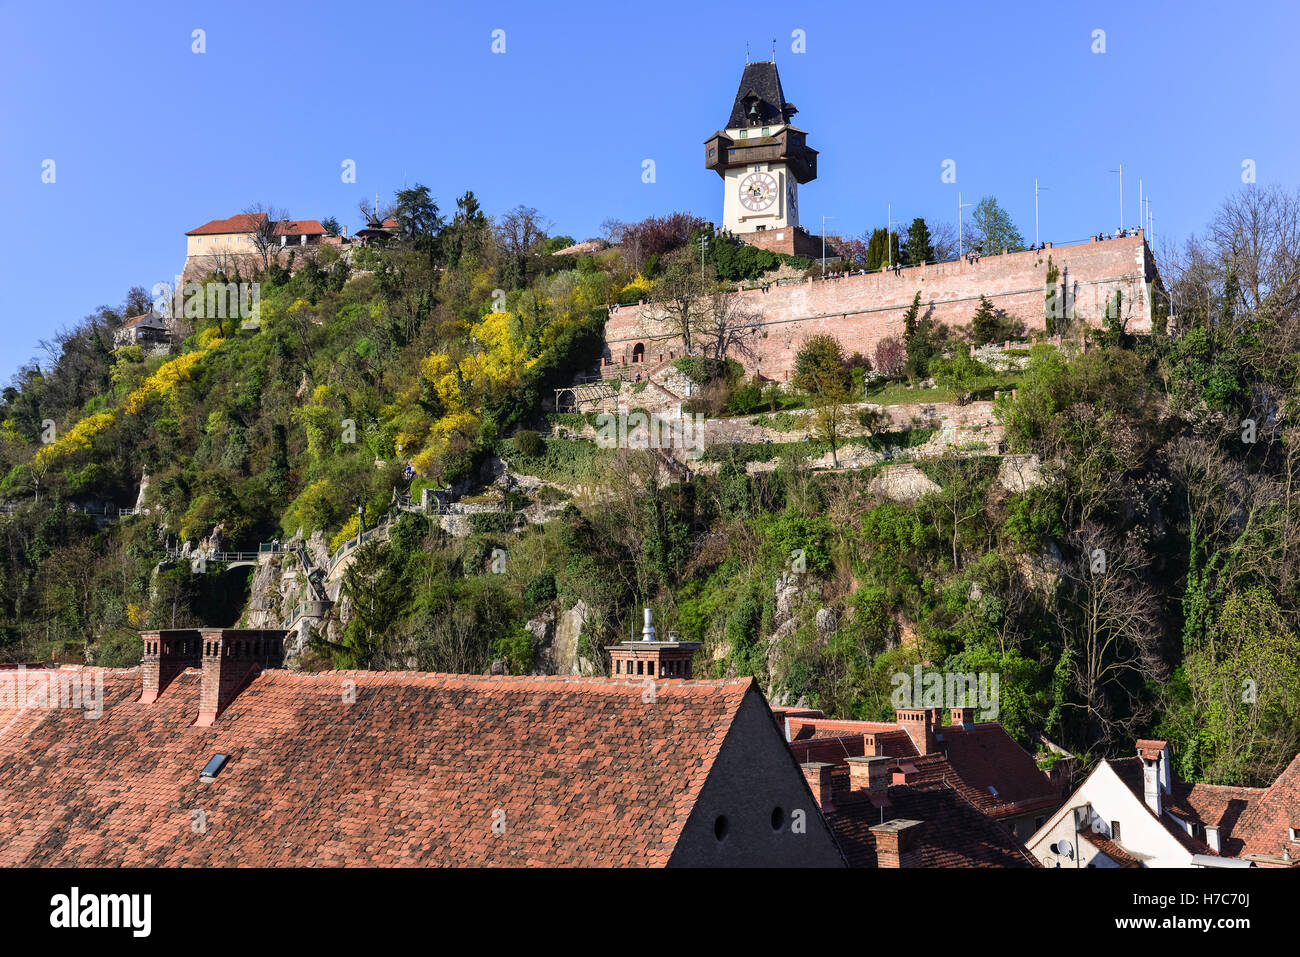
(166,654)
(232,657)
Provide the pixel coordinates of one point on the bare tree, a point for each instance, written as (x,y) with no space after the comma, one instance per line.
(1110,618)
(266,230)
(374,214)
(521,229)
(681,294)
(727,326)
(1257,233)
(612,230)
(943,238)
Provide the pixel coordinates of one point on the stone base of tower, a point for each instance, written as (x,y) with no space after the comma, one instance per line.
(792,240)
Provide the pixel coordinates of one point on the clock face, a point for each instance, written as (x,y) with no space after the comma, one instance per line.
(758,191)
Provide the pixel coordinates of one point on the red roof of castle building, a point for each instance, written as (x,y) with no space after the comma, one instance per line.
(415,771)
(247,222)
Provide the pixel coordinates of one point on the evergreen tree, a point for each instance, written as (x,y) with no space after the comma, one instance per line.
(918,341)
(1053,299)
(909,318)
(985,326)
(920,247)
(879,249)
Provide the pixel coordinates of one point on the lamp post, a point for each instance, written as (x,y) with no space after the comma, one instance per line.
(960,207)
(1036,189)
(1121,196)
(361,520)
(824,218)
(889,232)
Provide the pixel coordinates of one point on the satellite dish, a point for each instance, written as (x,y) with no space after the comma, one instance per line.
(1064,848)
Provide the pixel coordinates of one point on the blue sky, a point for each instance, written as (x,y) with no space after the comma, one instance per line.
(151,139)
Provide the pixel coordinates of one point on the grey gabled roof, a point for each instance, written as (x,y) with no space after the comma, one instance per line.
(762,80)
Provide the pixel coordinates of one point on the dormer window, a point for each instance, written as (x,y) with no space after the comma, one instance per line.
(767,130)
(1294,834)
(744,134)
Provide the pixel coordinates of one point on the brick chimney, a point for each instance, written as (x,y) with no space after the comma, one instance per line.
(920,725)
(898,843)
(166,655)
(964,715)
(818,776)
(872,743)
(650,657)
(232,657)
(869,775)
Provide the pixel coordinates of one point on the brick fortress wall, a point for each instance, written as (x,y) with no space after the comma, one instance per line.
(860,310)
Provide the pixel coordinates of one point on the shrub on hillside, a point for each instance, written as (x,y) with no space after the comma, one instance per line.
(529,443)
(540,590)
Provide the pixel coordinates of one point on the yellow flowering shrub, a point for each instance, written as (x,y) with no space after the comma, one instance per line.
(76,439)
(640,284)
(166,379)
(349,530)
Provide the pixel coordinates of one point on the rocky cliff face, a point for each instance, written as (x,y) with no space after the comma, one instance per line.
(556,636)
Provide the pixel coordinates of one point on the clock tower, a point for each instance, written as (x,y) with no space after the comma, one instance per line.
(762,158)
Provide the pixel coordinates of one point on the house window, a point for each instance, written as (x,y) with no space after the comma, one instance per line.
(1295,834)
(744,134)
(1114,830)
(712,150)
(766,130)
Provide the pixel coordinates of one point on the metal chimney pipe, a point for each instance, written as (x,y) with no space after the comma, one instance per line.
(648,631)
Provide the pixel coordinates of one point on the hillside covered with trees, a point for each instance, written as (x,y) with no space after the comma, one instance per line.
(1147,586)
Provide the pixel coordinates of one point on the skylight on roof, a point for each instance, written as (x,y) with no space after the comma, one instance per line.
(213,767)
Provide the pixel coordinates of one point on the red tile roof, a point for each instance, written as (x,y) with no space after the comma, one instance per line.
(247,222)
(416,771)
(1129,771)
(971,758)
(1263,828)
(1251,821)
(956,834)
(1112,850)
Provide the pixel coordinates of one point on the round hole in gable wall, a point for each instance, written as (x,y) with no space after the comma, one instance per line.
(720,827)
(778,818)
